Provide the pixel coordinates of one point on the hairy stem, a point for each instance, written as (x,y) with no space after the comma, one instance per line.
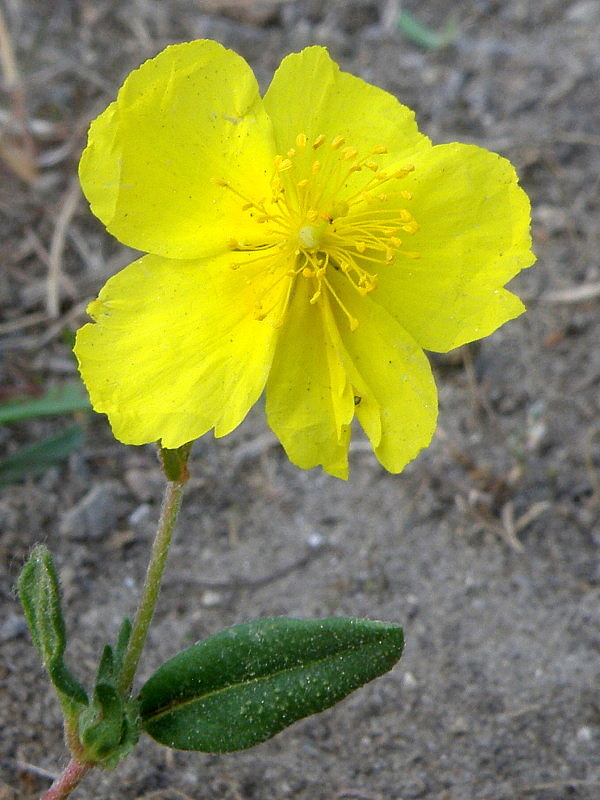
(174,464)
(151,589)
(71,777)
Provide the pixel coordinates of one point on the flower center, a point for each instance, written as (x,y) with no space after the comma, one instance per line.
(336,214)
(310,236)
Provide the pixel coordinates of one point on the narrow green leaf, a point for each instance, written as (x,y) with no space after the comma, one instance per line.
(122,642)
(101,726)
(109,727)
(39,593)
(56,400)
(38,457)
(424,36)
(65,683)
(106,667)
(246,683)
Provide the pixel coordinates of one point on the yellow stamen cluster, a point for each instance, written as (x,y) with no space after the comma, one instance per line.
(320,219)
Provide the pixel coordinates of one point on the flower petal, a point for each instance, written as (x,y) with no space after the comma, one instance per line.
(395,393)
(175,349)
(191,114)
(474,237)
(309,400)
(309,94)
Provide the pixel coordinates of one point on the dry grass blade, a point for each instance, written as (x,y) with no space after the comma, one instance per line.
(7,58)
(65,215)
(165,794)
(19,154)
(573,294)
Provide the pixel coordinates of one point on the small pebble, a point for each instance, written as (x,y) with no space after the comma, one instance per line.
(211,598)
(95,515)
(12,627)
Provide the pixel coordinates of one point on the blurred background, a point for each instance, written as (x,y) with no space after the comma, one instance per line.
(487,547)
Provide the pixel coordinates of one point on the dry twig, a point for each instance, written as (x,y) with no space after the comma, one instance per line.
(63,220)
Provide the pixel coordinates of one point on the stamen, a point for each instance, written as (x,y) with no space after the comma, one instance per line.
(349,153)
(312,226)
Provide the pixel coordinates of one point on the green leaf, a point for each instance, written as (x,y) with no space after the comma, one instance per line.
(106,667)
(101,726)
(39,593)
(425,36)
(40,456)
(246,683)
(122,642)
(109,728)
(56,400)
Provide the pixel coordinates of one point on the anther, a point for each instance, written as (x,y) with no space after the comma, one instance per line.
(372,165)
(318,141)
(410,227)
(337,142)
(291,153)
(301,140)
(379,150)
(304,182)
(219,182)
(316,167)
(349,153)
(284,165)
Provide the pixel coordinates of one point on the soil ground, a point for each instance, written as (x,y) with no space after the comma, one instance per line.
(487,547)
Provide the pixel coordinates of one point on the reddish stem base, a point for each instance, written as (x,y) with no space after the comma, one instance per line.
(70,778)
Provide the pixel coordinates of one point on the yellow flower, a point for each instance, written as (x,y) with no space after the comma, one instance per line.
(311,242)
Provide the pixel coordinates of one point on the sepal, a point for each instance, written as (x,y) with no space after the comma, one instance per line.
(174,462)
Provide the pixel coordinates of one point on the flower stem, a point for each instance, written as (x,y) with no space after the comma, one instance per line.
(71,777)
(174,463)
(158,559)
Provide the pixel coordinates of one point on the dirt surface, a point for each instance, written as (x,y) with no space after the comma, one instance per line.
(487,547)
